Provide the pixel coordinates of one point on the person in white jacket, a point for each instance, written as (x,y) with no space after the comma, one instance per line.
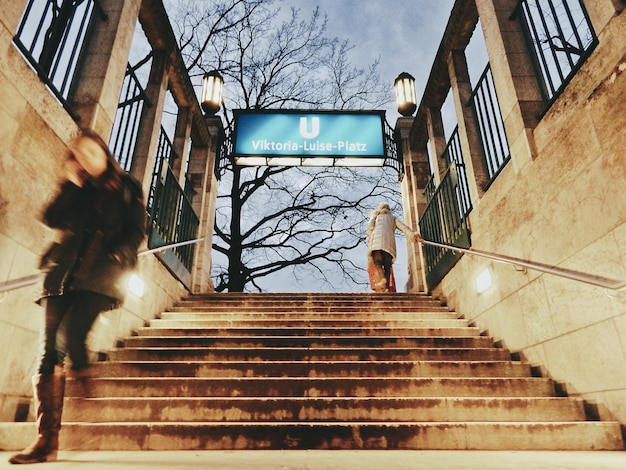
(381,243)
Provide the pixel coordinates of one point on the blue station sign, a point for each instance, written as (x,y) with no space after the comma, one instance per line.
(290,133)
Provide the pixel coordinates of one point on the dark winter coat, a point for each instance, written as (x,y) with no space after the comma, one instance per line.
(96,224)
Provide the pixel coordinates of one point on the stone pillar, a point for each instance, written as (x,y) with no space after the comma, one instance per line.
(475,165)
(150,124)
(514,76)
(437,138)
(95,93)
(412,203)
(202,175)
(181,143)
(402,130)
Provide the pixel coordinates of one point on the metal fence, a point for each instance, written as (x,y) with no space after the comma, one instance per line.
(129,110)
(171,213)
(393,152)
(442,222)
(453,155)
(561,37)
(495,146)
(50,36)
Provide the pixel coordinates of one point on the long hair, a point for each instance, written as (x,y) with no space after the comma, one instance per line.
(111,179)
(383,208)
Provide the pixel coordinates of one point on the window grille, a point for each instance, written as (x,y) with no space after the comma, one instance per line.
(453,155)
(495,146)
(128,116)
(560,36)
(51,35)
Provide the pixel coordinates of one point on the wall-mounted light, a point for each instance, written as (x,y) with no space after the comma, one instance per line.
(135,285)
(484,281)
(212,84)
(405,94)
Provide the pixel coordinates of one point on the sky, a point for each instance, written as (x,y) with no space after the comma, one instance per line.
(405,34)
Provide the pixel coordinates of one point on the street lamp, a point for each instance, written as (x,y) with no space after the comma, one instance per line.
(212,84)
(405,94)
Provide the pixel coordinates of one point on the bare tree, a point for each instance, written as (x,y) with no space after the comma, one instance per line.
(272,219)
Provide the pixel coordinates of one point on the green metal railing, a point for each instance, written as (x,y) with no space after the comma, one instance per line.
(172,217)
(443,222)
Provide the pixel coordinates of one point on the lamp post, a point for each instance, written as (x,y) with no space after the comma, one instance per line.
(405,94)
(212,84)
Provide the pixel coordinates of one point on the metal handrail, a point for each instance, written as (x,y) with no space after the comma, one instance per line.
(571,274)
(34,278)
(171,245)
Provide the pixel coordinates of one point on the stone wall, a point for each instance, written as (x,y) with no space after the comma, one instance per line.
(561,201)
(34,131)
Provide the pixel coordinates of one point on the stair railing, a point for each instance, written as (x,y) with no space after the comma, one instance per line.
(599,281)
(35,278)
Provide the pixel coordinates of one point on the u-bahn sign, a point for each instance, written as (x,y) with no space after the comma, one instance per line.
(315,138)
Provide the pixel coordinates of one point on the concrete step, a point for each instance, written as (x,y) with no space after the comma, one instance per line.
(359,341)
(238,353)
(303,300)
(315,387)
(288,409)
(336,316)
(319,308)
(263,368)
(226,321)
(320,371)
(330,435)
(237,330)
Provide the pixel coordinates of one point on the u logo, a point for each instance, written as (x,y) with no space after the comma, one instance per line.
(304,128)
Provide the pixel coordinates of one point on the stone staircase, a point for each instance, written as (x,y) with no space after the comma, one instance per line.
(320,371)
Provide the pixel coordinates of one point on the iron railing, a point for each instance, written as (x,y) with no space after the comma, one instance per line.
(443,223)
(495,146)
(453,155)
(172,217)
(393,151)
(129,111)
(560,36)
(164,159)
(51,35)
(223,159)
(430,188)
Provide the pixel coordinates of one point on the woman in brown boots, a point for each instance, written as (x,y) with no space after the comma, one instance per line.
(381,247)
(100,213)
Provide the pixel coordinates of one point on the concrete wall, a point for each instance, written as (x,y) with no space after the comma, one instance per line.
(34,131)
(560,201)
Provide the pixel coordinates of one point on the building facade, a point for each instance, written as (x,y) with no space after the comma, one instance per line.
(536,170)
(532,168)
(69,65)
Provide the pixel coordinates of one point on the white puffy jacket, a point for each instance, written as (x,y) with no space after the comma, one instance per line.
(381,233)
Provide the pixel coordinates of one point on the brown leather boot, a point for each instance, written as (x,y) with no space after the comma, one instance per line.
(49,392)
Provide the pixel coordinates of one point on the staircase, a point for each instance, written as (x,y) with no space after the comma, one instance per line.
(320,371)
